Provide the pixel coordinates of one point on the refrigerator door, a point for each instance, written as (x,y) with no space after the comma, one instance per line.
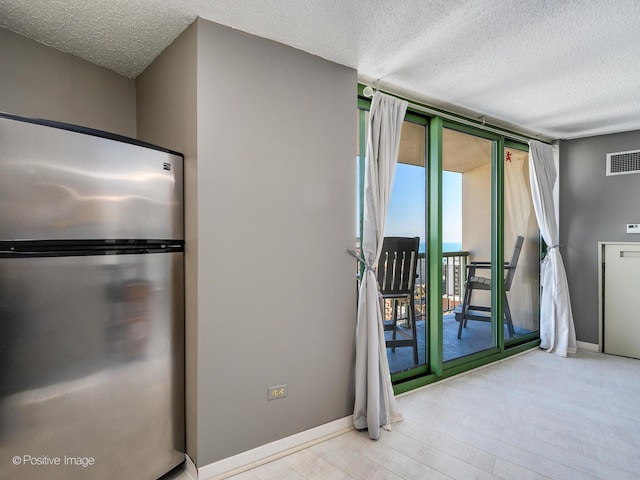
(91,366)
(58,184)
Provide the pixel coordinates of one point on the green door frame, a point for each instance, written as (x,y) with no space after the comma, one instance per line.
(534,336)
(434,253)
(441,368)
(436,369)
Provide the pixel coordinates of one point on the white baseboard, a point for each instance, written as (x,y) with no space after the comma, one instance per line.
(588,347)
(272,451)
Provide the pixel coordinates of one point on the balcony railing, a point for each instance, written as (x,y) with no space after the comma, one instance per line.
(453,278)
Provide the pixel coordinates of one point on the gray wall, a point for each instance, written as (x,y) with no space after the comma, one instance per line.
(275,214)
(593,208)
(41,82)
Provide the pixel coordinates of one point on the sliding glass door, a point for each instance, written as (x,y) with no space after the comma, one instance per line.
(523,294)
(468,326)
(464,192)
(406,217)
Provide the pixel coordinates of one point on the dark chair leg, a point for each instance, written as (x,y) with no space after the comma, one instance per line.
(466,301)
(414,333)
(507,316)
(394,307)
(462,319)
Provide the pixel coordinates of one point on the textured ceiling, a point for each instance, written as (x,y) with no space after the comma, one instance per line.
(554,68)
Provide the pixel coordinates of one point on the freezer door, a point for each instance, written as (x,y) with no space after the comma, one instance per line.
(91,366)
(64,185)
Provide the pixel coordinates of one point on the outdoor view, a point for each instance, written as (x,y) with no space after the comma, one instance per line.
(407,218)
(467,323)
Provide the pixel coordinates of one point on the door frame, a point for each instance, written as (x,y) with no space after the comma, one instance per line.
(435,369)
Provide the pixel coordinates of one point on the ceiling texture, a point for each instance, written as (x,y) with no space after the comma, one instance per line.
(553,69)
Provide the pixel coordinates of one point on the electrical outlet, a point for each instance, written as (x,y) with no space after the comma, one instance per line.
(277,392)
(633,228)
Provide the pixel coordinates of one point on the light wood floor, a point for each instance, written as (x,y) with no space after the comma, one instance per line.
(535,416)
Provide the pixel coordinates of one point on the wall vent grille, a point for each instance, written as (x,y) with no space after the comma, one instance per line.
(622,163)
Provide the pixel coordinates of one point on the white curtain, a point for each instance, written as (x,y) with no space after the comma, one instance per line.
(557,331)
(375,404)
(516,198)
(517,212)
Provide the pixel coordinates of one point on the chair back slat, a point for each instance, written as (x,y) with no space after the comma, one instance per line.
(511,269)
(397,265)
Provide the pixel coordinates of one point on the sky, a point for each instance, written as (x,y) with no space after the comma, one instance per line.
(406,214)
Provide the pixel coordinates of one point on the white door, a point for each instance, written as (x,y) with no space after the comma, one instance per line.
(621,290)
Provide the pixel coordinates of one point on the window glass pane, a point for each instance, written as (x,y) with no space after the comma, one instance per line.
(466,164)
(519,220)
(406,217)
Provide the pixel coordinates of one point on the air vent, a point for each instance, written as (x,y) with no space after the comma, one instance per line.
(622,163)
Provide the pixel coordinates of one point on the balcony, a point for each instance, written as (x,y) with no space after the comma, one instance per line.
(453,277)
(477,336)
(468,218)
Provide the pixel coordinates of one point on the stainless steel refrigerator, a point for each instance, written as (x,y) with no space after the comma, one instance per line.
(91,304)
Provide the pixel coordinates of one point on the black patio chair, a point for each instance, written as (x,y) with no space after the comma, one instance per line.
(396,276)
(467,311)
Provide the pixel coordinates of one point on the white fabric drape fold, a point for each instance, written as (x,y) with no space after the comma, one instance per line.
(516,197)
(557,330)
(517,212)
(375,405)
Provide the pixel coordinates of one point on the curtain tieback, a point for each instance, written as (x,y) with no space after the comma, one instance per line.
(361,259)
(544,261)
